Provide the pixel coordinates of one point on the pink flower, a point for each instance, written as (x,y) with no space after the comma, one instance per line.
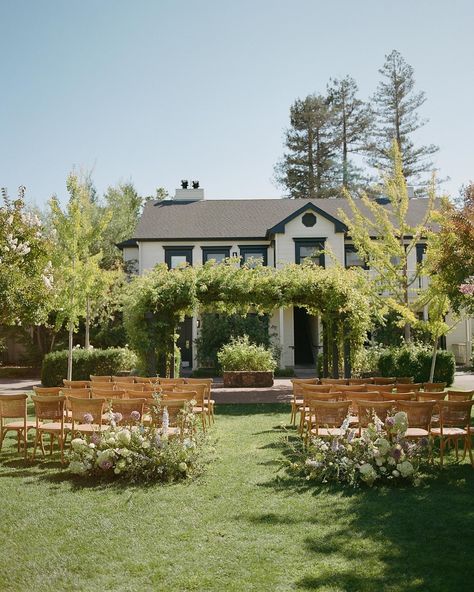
(88,418)
(135,415)
(118,417)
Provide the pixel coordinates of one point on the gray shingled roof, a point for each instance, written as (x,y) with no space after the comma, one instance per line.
(235,218)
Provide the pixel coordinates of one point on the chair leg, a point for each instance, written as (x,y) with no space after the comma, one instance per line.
(441,450)
(25,442)
(456,447)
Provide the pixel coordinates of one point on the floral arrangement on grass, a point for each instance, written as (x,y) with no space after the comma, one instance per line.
(138,452)
(380,454)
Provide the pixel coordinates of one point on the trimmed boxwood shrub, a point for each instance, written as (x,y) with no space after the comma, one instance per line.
(86,362)
(416,361)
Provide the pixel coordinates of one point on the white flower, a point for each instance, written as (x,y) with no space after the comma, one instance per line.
(78,443)
(406,468)
(401,421)
(368,473)
(395,473)
(383,446)
(124,437)
(78,468)
(183,467)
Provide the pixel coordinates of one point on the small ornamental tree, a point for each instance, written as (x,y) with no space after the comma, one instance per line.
(385,241)
(26,280)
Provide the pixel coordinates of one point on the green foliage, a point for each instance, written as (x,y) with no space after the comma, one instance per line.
(241,354)
(26,282)
(395,242)
(284,372)
(85,363)
(415,360)
(395,104)
(157,301)
(308,168)
(366,360)
(216,330)
(206,373)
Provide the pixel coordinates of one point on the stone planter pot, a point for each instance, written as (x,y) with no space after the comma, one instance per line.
(236,379)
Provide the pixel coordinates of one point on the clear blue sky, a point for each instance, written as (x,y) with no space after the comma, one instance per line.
(154,91)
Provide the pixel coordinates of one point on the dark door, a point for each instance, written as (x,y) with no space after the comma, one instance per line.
(185,341)
(302,338)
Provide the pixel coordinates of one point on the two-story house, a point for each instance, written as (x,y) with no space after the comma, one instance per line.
(189,228)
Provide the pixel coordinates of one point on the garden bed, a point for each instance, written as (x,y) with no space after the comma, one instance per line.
(247,379)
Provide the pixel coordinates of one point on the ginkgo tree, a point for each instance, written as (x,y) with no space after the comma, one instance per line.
(78,277)
(386,241)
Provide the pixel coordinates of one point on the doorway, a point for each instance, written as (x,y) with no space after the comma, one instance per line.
(185,342)
(303,337)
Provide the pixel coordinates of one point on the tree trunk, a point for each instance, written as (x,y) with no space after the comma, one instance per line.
(335,349)
(407,332)
(87,342)
(69,357)
(433,359)
(325,350)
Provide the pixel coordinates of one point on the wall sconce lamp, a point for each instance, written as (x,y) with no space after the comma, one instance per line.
(198,323)
(234,253)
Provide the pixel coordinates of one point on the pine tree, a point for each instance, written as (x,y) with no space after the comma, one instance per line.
(352,120)
(396,118)
(308,168)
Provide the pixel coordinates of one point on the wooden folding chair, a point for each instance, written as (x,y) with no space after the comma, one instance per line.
(460,395)
(200,408)
(312,395)
(49,413)
(419,416)
(384,380)
(455,425)
(398,396)
(126,407)
(47,391)
(434,386)
(80,409)
(297,384)
(367,409)
(76,384)
(409,388)
(207,399)
(14,406)
(325,418)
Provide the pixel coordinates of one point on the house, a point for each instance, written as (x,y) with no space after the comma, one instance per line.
(189,228)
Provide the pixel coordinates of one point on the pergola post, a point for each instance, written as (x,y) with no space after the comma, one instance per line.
(347,353)
(335,349)
(325,349)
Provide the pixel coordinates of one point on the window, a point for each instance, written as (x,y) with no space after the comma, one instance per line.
(253,252)
(310,248)
(176,256)
(420,252)
(353,259)
(309,220)
(217,253)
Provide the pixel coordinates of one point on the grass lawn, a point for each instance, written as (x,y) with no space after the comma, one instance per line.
(239,527)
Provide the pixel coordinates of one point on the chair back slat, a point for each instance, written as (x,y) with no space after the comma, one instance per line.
(460,395)
(334,381)
(96,378)
(351,387)
(360,381)
(80,407)
(398,396)
(49,408)
(126,407)
(76,384)
(456,414)
(418,413)
(328,413)
(434,386)
(405,379)
(13,406)
(366,410)
(384,380)
(123,378)
(409,388)
(47,391)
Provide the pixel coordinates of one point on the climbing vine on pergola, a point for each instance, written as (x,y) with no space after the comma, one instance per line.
(160,299)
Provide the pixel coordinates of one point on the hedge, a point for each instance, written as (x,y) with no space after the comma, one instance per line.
(416,362)
(86,362)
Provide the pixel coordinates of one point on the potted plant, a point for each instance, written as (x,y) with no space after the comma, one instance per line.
(246,364)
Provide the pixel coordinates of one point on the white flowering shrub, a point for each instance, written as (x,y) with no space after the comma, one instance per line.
(381,454)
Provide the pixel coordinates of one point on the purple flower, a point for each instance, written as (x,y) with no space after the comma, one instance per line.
(88,418)
(405,445)
(424,442)
(135,415)
(396,453)
(390,422)
(95,438)
(335,445)
(118,417)
(105,465)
